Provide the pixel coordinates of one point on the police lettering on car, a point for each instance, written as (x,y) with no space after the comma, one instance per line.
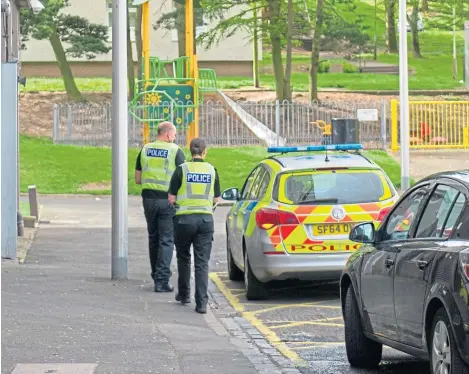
(193,189)
(155,166)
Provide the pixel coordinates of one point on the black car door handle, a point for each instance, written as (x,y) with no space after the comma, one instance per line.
(422,264)
(389,262)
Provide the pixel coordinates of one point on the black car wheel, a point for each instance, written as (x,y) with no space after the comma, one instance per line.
(255,290)
(361,351)
(234,273)
(445,357)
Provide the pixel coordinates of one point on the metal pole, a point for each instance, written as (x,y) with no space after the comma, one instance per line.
(119,140)
(1,126)
(404,96)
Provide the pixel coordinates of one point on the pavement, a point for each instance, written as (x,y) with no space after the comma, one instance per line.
(62,313)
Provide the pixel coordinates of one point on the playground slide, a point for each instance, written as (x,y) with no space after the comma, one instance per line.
(252,123)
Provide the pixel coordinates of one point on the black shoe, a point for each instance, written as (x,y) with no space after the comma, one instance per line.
(183,300)
(165,288)
(201,309)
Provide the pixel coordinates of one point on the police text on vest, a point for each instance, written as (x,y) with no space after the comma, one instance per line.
(155,152)
(198,178)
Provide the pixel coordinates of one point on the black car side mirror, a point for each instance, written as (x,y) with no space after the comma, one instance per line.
(363,233)
(231,194)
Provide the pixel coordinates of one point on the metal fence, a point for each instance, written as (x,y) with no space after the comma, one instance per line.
(220,125)
(433,124)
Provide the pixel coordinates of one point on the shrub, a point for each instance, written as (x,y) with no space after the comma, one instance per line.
(324,67)
(347,67)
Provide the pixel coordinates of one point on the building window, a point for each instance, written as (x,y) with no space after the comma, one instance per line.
(132,19)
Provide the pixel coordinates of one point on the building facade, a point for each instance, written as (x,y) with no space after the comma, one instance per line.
(232,56)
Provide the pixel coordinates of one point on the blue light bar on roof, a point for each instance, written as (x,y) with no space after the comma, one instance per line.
(316,148)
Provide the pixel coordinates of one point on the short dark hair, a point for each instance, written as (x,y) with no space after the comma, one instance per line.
(198,146)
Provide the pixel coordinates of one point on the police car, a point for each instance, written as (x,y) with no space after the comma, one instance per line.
(293,216)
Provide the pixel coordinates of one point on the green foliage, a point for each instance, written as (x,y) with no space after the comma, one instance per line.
(347,67)
(82,37)
(324,67)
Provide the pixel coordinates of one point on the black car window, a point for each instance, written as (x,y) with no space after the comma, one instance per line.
(453,216)
(436,211)
(256,184)
(263,185)
(400,220)
(248,184)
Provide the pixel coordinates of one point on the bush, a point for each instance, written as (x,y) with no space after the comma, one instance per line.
(347,67)
(324,67)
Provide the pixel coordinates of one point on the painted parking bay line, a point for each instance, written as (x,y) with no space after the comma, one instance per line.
(257,314)
(270,336)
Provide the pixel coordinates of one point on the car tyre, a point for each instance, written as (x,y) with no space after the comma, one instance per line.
(441,344)
(255,290)
(234,273)
(361,351)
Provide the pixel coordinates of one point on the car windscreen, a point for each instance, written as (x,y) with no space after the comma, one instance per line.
(333,187)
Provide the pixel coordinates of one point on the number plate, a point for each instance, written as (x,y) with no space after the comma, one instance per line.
(329,229)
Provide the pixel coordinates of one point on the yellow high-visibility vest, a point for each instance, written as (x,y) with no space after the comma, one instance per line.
(158,161)
(197,188)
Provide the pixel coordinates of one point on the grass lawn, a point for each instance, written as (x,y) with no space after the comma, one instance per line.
(64,168)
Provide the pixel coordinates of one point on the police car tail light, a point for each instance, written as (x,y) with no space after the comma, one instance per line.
(464,259)
(383,213)
(267,218)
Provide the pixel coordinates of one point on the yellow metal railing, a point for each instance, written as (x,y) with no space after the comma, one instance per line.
(433,124)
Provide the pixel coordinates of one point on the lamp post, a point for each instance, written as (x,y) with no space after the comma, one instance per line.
(404,96)
(119,244)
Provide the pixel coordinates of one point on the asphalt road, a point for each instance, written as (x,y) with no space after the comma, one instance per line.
(302,320)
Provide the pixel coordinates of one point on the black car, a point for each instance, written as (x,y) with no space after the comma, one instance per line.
(407,287)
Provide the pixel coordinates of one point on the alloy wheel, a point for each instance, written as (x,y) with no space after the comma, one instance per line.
(441,349)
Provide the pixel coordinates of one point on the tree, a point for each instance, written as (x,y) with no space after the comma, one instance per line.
(391,39)
(316,47)
(80,37)
(413,22)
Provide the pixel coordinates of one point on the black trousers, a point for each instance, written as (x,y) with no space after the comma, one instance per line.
(196,230)
(159,214)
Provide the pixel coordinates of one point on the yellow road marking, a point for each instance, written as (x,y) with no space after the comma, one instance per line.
(270,336)
(300,305)
(317,344)
(304,323)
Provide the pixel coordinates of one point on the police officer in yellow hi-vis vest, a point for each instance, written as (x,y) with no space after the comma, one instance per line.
(155,166)
(194,188)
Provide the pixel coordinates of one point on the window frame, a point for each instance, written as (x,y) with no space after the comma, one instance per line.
(451,184)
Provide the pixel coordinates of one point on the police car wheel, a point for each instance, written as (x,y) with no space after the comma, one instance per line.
(361,351)
(234,273)
(255,290)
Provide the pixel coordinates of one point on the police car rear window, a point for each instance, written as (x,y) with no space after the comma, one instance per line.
(333,187)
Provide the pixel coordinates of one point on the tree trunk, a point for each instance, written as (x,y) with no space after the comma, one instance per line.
(424,7)
(130,62)
(276,41)
(287,92)
(138,41)
(255,37)
(181,29)
(391,26)
(413,20)
(73,93)
(313,89)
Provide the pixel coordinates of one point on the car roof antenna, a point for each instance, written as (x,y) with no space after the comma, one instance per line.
(327,157)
